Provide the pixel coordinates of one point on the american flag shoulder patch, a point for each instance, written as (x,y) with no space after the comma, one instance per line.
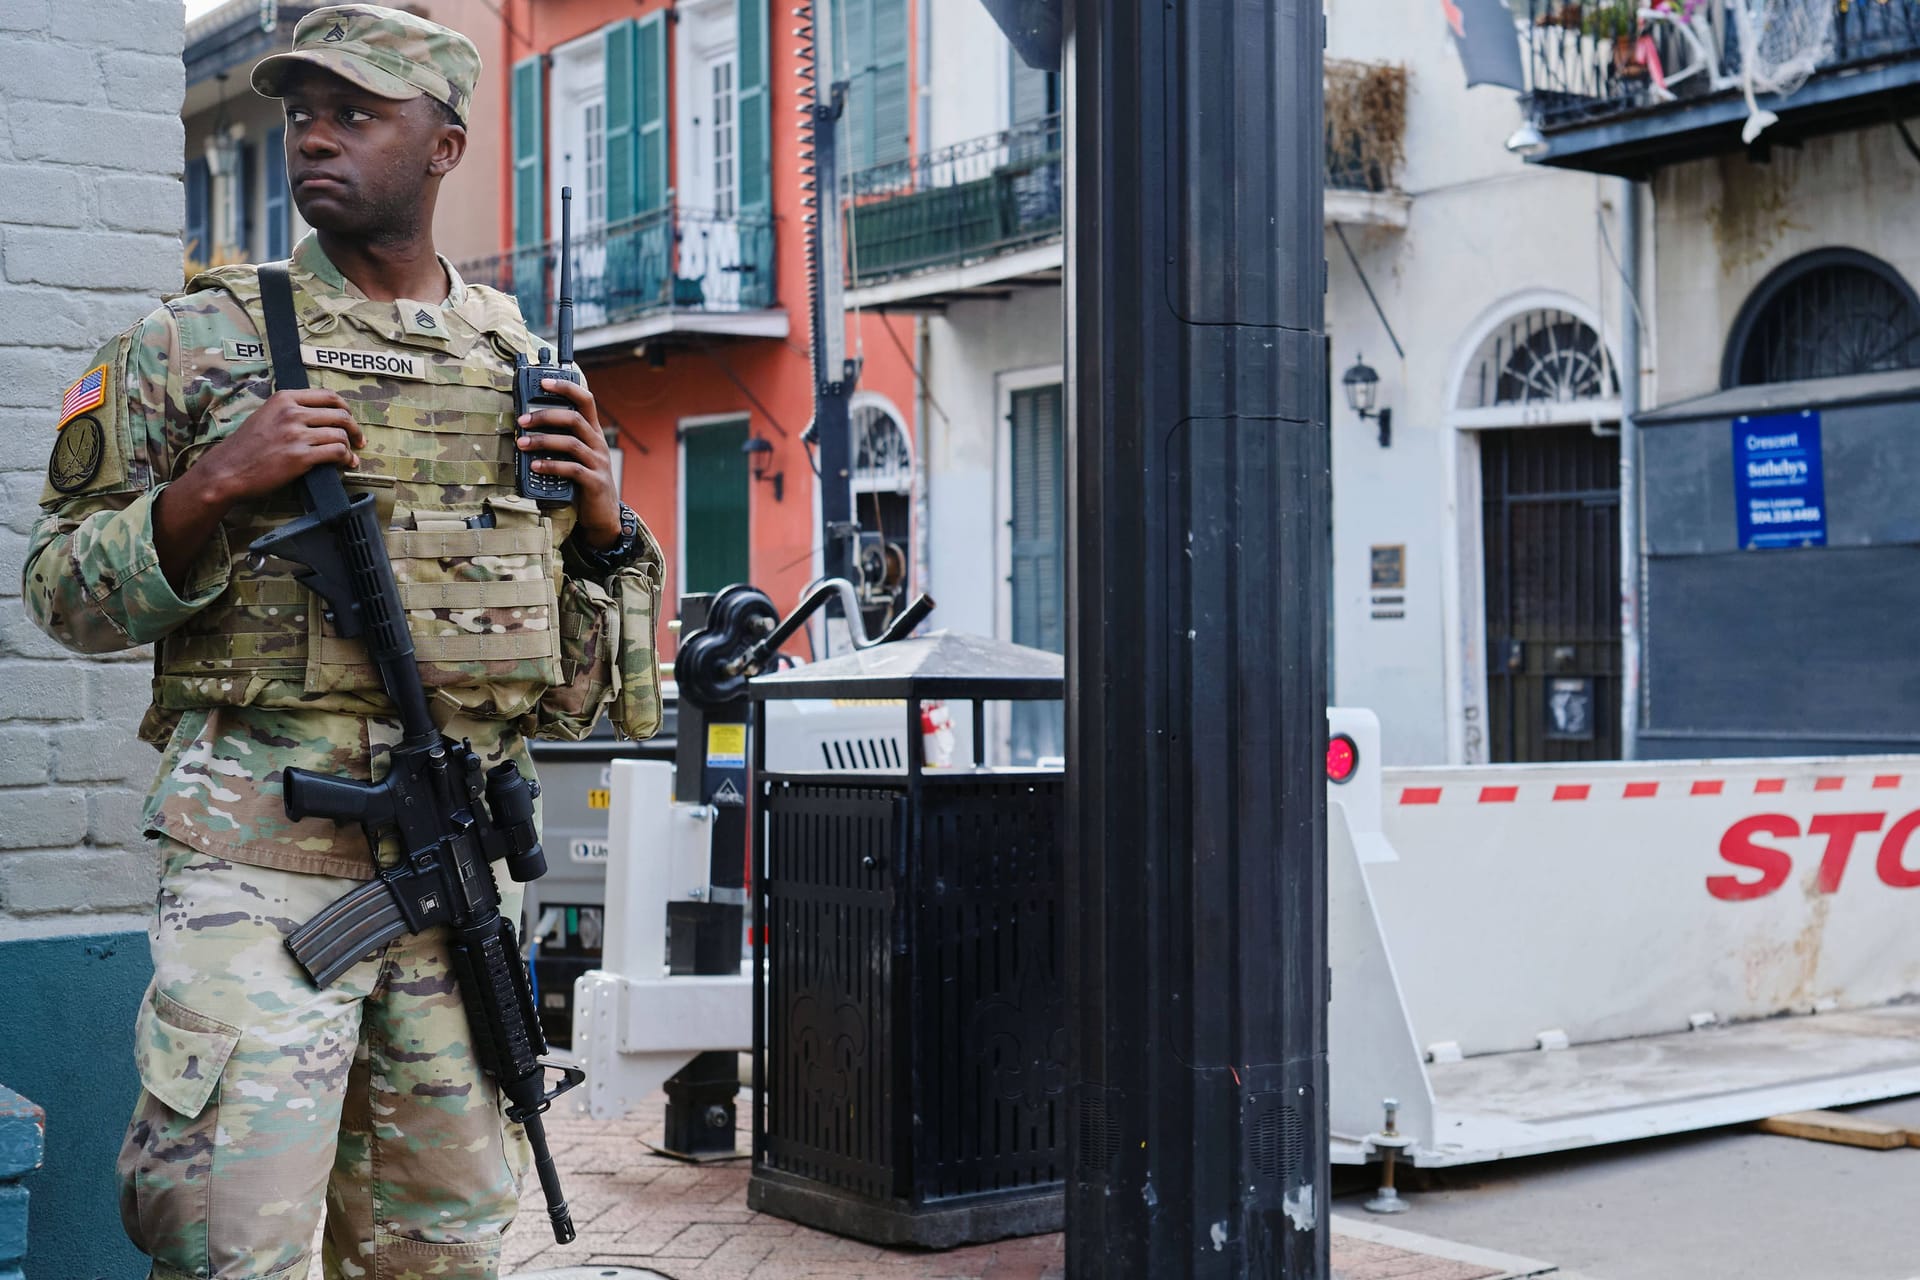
(90,392)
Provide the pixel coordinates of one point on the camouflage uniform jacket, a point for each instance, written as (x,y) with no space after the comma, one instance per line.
(515,634)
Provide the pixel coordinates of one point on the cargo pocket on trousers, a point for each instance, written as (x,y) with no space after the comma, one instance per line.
(405,1256)
(166,1162)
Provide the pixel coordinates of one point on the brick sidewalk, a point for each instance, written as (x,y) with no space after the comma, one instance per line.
(638,1210)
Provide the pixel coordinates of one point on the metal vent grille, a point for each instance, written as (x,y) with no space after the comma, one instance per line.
(1099,1134)
(1278,1140)
(841,754)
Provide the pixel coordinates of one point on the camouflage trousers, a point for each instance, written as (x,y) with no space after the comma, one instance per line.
(264,1098)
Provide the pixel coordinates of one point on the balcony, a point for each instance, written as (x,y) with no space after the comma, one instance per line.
(962,221)
(1628,86)
(1366,109)
(672,271)
(978,219)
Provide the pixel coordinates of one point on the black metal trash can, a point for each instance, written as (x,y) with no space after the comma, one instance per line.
(909,995)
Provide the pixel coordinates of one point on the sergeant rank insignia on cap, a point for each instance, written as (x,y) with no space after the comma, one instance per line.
(90,392)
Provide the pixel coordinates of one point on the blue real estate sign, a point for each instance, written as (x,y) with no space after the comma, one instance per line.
(1779,491)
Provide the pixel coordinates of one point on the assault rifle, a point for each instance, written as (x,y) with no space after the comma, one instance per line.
(448,820)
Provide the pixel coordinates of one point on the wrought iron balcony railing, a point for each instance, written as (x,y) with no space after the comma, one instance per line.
(663,261)
(1589,61)
(1001,193)
(965,203)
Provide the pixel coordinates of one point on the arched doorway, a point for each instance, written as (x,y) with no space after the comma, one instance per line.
(1538,410)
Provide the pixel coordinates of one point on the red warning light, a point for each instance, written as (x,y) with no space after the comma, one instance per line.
(1343,757)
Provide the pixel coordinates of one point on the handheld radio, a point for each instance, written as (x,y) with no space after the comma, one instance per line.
(548,490)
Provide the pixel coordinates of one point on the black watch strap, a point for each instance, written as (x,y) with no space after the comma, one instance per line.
(621,553)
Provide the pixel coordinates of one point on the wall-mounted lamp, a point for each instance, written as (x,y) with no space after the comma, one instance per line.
(759,451)
(1363,389)
(1527,141)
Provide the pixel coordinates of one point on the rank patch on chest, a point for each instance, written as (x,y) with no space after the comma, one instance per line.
(422,320)
(90,392)
(372,364)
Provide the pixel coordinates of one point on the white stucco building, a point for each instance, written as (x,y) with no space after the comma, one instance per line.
(1490,273)
(1779,557)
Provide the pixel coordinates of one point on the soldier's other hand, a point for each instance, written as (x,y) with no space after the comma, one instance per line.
(583,457)
(282,440)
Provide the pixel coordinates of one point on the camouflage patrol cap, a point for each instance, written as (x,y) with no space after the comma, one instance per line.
(385,51)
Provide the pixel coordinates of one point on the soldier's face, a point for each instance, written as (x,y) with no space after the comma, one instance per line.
(358,164)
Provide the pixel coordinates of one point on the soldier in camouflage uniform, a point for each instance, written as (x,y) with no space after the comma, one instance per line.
(264,1097)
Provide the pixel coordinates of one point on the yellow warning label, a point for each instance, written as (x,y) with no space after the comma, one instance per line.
(727,745)
(599,798)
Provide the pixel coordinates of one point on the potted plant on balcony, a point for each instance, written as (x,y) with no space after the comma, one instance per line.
(1617,22)
(1567,15)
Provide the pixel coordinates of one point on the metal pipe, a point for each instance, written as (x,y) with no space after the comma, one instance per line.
(1629,474)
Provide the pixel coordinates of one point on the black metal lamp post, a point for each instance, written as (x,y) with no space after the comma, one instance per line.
(1196,652)
(1362,386)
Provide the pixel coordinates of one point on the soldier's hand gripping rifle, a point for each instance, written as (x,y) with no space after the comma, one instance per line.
(447,819)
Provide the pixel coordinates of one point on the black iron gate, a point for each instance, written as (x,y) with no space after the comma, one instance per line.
(1552,537)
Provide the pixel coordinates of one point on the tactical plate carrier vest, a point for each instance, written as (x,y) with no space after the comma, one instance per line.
(477,565)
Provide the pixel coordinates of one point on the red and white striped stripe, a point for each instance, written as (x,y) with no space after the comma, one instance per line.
(1635,789)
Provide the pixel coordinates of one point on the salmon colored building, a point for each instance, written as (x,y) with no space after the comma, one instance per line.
(677,127)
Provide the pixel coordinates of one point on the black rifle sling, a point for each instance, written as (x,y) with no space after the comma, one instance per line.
(283,330)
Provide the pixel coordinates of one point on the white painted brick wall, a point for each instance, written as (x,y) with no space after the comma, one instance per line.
(91,208)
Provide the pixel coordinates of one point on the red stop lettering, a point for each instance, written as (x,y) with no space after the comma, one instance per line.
(1738,847)
(1840,829)
(1893,868)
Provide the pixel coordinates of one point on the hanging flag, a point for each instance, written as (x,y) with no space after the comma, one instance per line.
(1489,46)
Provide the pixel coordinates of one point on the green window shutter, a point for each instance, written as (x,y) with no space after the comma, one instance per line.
(1038,520)
(621,156)
(199,211)
(1036,93)
(715,520)
(873,62)
(852,27)
(891,112)
(750,108)
(650,113)
(1038,533)
(529,224)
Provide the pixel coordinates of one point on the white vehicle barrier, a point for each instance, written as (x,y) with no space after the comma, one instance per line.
(1527,958)
(1534,958)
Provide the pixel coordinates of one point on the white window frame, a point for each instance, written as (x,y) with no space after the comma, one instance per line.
(1006,383)
(703,35)
(576,77)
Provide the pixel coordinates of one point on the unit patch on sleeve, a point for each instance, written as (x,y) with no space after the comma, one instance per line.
(90,392)
(77,454)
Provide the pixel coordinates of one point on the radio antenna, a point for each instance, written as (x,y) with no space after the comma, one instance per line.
(565,319)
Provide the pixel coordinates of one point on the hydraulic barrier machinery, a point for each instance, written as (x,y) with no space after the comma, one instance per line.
(669,1006)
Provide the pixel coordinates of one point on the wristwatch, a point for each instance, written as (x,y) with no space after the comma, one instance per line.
(621,553)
